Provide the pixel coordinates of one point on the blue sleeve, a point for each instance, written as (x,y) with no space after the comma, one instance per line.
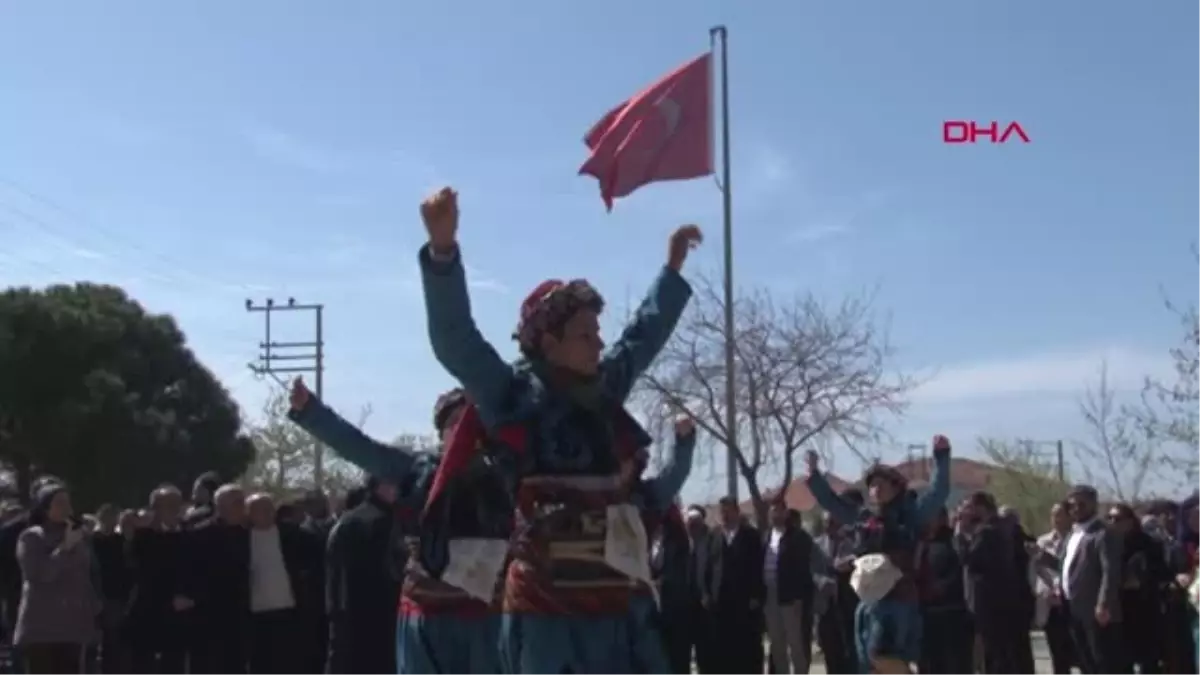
(351,444)
(646,334)
(457,343)
(935,497)
(844,511)
(667,484)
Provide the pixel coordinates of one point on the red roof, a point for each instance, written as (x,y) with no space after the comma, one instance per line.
(798,496)
(965,474)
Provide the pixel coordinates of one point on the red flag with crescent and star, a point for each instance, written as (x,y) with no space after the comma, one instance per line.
(663,133)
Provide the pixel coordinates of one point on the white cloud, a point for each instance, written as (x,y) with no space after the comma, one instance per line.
(481,281)
(1060,372)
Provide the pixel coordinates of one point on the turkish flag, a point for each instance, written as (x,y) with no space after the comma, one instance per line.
(663,133)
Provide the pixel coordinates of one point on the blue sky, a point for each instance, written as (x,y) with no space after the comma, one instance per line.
(200,153)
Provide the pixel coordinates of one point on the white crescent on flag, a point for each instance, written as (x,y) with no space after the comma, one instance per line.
(671,113)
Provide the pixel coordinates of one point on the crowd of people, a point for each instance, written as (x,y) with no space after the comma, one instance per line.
(533,541)
(232,583)
(963,590)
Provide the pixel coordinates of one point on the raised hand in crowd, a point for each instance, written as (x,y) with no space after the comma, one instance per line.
(299,394)
(682,241)
(684,426)
(439,212)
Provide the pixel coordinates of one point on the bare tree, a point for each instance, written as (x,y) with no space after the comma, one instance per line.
(416,442)
(804,371)
(1168,412)
(286,455)
(1116,458)
(1025,479)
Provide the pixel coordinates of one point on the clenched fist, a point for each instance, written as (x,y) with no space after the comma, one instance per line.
(682,242)
(299,395)
(941,444)
(439,212)
(684,426)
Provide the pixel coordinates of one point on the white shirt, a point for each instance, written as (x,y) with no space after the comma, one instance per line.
(270,586)
(1078,530)
(730,533)
(771,559)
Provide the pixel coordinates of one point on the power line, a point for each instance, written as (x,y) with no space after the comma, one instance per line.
(286,354)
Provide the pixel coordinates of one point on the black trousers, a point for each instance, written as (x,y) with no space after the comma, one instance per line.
(835,637)
(674,625)
(1098,649)
(52,658)
(275,642)
(702,639)
(218,643)
(739,634)
(947,640)
(996,629)
(1058,639)
(157,643)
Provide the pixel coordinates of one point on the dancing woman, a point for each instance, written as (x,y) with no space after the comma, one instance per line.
(441,628)
(560,412)
(656,499)
(891,525)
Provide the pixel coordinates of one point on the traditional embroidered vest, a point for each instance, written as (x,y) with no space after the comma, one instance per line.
(558,556)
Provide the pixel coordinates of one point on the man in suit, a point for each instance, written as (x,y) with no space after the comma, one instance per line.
(835,601)
(700,626)
(985,551)
(788,578)
(1057,624)
(734,592)
(1091,587)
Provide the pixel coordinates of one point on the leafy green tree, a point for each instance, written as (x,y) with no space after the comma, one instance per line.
(98,391)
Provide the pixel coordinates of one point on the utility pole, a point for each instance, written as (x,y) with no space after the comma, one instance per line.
(1061,465)
(920,452)
(284,353)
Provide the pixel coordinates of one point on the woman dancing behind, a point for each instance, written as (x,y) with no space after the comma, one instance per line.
(567,597)
(441,628)
(887,625)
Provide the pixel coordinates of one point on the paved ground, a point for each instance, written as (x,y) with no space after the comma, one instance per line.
(1040,652)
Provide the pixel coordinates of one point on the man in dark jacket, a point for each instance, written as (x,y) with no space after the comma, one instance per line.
(204,492)
(109,549)
(787,576)
(836,600)
(700,627)
(734,592)
(671,570)
(163,588)
(221,550)
(361,590)
(986,553)
(947,634)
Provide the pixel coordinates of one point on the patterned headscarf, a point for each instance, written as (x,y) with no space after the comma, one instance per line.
(551,304)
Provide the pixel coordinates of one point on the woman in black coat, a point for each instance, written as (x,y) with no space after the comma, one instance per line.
(1144,574)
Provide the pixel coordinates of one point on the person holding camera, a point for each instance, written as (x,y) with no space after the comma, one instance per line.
(59,601)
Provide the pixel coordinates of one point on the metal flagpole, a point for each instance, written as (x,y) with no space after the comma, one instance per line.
(719,33)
